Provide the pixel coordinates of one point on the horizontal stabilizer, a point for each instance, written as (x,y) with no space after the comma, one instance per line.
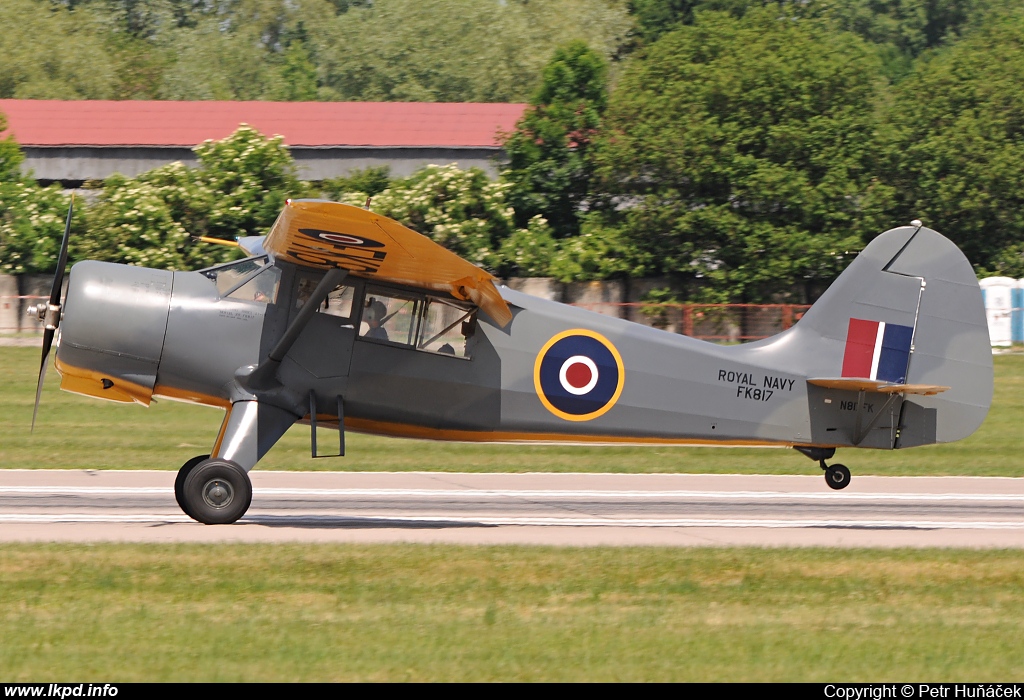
(874,386)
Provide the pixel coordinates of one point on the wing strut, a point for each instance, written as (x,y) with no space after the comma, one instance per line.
(265,376)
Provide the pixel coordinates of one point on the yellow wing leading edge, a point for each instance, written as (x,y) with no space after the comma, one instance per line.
(325,234)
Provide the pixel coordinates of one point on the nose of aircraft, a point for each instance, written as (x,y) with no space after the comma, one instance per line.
(112,333)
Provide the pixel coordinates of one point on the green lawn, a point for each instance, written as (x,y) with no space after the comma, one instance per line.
(78,432)
(441,613)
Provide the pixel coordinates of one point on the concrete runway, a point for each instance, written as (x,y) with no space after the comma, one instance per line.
(551,509)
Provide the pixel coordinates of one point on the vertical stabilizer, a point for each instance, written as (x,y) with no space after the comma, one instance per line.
(908,311)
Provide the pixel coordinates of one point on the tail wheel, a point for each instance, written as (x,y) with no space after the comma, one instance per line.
(837,476)
(216,492)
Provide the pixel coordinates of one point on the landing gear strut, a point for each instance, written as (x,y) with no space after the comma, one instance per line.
(837,476)
(213,491)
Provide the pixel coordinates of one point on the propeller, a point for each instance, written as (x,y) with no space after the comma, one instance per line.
(50,313)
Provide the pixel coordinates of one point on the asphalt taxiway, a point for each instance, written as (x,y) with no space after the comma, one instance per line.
(547,509)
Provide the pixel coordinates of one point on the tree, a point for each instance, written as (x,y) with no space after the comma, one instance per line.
(959,155)
(31,217)
(455,50)
(739,154)
(53,54)
(548,153)
(11,156)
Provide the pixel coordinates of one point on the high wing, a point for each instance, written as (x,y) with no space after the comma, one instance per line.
(325,234)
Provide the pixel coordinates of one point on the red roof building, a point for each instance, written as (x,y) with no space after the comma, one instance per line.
(71,141)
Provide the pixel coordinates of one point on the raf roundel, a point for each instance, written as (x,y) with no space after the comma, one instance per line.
(578,375)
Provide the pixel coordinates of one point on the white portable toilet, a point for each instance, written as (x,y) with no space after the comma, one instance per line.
(998,293)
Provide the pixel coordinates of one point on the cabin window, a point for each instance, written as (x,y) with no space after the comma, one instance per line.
(445,327)
(390,316)
(339,302)
(427,323)
(260,286)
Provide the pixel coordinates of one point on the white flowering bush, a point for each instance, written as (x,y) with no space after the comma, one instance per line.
(249,177)
(529,251)
(31,226)
(467,213)
(463,210)
(238,190)
(131,223)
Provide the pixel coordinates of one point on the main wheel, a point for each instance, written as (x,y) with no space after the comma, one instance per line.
(217,492)
(179,481)
(837,476)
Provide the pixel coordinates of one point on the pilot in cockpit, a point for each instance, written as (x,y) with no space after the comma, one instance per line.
(374,316)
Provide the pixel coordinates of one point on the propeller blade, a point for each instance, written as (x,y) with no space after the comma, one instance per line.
(47,342)
(62,259)
(52,313)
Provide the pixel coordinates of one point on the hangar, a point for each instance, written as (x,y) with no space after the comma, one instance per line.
(73,141)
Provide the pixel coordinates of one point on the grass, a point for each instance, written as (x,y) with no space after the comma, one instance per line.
(82,433)
(442,613)
(228,612)
(78,432)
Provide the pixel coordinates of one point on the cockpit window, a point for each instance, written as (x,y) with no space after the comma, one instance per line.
(250,279)
(230,275)
(261,286)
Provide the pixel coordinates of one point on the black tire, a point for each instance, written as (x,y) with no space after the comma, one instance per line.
(179,481)
(837,476)
(217,492)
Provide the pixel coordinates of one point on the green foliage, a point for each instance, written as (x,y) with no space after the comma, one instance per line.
(370,181)
(31,217)
(463,210)
(455,50)
(131,223)
(31,226)
(529,251)
(959,154)
(427,50)
(548,154)
(1009,262)
(740,153)
(298,75)
(11,156)
(599,252)
(250,177)
(238,191)
(52,53)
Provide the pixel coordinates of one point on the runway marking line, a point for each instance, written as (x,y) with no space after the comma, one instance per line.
(268,519)
(513,493)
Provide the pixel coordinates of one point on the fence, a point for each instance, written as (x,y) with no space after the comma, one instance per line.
(14,316)
(736,323)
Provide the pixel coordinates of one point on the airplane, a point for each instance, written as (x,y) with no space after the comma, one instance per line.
(344,319)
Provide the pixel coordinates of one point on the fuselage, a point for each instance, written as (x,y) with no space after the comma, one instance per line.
(131,333)
(411,362)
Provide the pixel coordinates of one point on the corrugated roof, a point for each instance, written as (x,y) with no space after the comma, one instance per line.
(309,124)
